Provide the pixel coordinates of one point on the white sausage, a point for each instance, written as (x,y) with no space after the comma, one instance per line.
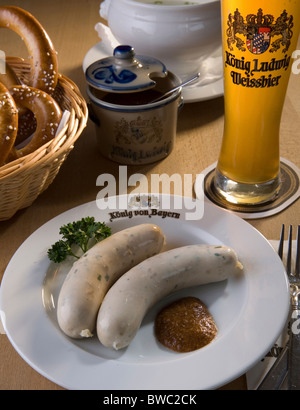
(95,272)
(128,300)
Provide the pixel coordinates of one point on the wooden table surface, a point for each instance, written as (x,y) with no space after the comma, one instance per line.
(200,125)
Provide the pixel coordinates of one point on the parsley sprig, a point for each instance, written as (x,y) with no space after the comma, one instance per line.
(82,233)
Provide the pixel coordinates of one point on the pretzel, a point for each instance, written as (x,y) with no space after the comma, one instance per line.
(8,123)
(27,122)
(43,57)
(47,113)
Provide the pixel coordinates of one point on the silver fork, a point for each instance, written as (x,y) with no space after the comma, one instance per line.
(288,363)
(294,338)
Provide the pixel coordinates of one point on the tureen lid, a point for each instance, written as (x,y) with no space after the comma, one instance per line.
(124,71)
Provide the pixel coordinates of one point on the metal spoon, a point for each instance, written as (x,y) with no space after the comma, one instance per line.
(194,78)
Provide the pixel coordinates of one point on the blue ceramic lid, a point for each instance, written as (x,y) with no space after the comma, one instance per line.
(124,72)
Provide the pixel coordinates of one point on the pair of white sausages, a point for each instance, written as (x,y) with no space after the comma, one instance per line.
(97,270)
(133,284)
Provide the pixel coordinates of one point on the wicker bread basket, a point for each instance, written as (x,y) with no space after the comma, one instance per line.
(23,180)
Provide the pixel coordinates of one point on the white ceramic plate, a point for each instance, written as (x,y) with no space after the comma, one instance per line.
(193,93)
(250,311)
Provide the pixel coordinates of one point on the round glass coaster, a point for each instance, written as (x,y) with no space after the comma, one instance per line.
(289,191)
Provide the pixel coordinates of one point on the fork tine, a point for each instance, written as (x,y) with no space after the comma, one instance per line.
(289,253)
(297,267)
(281,241)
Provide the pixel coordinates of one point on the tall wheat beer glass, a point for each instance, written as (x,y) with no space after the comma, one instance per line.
(259,38)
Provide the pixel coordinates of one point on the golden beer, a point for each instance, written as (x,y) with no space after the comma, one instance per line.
(259,37)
